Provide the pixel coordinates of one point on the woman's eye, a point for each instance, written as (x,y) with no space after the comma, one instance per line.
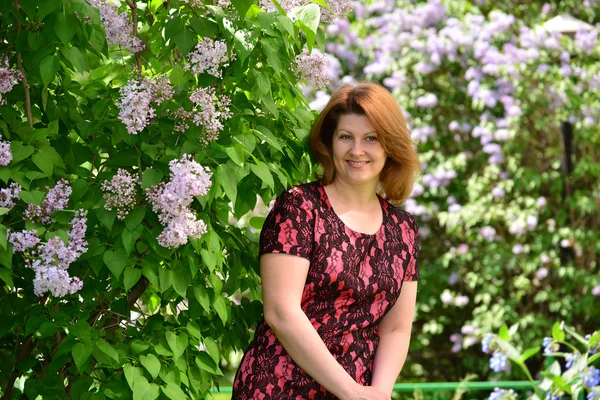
(345,137)
(371,138)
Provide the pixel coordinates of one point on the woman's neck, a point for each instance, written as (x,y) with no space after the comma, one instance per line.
(354,196)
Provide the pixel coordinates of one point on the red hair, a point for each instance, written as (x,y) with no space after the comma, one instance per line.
(375,102)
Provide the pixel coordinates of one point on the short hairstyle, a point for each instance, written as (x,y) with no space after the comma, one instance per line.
(402,167)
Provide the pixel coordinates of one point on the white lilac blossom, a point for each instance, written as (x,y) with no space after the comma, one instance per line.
(54,258)
(596,290)
(56,200)
(517,249)
(586,41)
(461,301)
(120,192)
(457,339)
(320,101)
(212,110)
(287,5)
(498,192)
(136,100)
(423,133)
(9,77)
(541,273)
(541,201)
(208,57)
(23,240)
(9,194)
(118,27)
(447,297)
(172,201)
(313,68)
(454,208)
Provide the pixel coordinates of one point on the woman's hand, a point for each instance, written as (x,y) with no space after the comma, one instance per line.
(369,393)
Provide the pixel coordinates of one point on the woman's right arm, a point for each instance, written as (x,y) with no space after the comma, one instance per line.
(283,278)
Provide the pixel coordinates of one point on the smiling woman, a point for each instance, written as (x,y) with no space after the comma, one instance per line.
(338,263)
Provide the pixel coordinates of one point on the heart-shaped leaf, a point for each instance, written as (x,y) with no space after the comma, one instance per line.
(81,353)
(115,261)
(151,363)
(131,277)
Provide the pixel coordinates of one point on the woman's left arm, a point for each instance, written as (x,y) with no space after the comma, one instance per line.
(394,331)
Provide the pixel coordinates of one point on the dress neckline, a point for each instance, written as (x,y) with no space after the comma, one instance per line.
(330,207)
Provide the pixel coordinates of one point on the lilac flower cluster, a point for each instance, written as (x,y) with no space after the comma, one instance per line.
(339,7)
(137,98)
(208,57)
(51,260)
(596,290)
(287,5)
(5,153)
(591,377)
(440,178)
(56,200)
(313,68)
(499,362)
(503,394)
(120,192)
(23,240)
(213,109)
(118,27)
(9,77)
(9,194)
(172,201)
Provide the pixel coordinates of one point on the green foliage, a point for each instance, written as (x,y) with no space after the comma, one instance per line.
(150,322)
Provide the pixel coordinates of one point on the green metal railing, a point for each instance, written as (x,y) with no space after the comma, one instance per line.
(438,390)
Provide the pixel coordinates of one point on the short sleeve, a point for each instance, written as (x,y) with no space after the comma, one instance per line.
(411,273)
(288,228)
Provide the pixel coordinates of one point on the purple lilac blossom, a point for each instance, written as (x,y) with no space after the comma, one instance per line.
(517,249)
(320,101)
(485,342)
(56,200)
(453,279)
(120,192)
(9,77)
(427,101)
(596,290)
(586,41)
(208,56)
(461,301)
(9,194)
(5,153)
(313,68)
(118,27)
(498,192)
(136,100)
(23,240)
(541,273)
(213,110)
(488,233)
(172,201)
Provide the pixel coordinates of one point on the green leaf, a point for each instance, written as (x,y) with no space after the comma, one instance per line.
(202,297)
(242,6)
(226,179)
(529,353)
(257,222)
(244,42)
(151,178)
(194,329)
(142,390)
(221,308)
(131,277)
(593,358)
(20,152)
(177,76)
(204,27)
(152,364)
(3,234)
(77,57)
(177,343)
(131,373)
(184,40)
(115,261)
(32,197)
(137,346)
(65,26)
(135,217)
(205,362)
(261,84)
(129,238)
(266,135)
(212,348)
(261,170)
(173,392)
(46,7)
(181,282)
(165,278)
(106,217)
(48,69)
(271,48)
(43,162)
(6,276)
(503,334)
(81,354)
(557,332)
(216,283)
(105,353)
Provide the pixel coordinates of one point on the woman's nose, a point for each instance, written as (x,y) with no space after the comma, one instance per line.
(357,147)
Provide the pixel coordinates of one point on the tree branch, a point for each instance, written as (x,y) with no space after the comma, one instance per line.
(133,6)
(22,70)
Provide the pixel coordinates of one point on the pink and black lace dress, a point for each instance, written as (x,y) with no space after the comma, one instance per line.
(353,281)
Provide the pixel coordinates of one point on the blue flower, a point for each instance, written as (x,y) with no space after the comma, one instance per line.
(549,396)
(593,396)
(591,377)
(549,345)
(496,394)
(596,348)
(571,357)
(485,343)
(499,362)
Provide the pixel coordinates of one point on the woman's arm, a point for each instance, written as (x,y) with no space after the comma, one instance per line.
(283,278)
(394,331)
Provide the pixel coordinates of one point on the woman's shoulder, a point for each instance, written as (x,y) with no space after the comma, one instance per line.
(306,195)
(399,216)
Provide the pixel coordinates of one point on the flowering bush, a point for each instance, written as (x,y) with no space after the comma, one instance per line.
(508,203)
(131,132)
(571,370)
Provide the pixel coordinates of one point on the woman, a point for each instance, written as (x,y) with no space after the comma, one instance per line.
(338,262)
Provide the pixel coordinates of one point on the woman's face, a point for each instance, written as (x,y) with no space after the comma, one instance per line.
(357,153)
